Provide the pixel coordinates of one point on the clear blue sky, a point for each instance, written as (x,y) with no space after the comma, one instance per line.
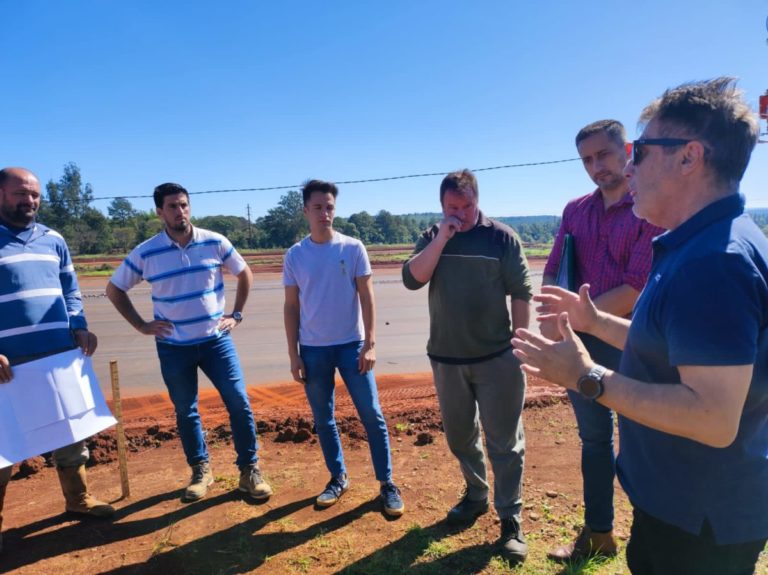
(241,94)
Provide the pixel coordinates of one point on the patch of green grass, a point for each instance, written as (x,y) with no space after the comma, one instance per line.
(164,542)
(537,252)
(285,524)
(95,273)
(390,258)
(401,426)
(229,482)
(594,566)
(321,540)
(437,549)
(301,564)
(546,511)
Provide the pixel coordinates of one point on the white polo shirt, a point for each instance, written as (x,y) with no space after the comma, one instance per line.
(187,282)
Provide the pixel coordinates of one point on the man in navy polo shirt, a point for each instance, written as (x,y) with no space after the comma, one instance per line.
(692,387)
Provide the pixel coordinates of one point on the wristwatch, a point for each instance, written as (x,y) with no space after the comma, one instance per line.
(237,316)
(591,386)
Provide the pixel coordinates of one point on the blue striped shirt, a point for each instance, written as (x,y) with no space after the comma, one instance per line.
(40,300)
(187,282)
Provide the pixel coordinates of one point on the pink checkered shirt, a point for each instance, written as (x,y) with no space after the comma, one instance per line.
(612,247)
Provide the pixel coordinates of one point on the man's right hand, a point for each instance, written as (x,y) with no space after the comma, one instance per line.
(6,374)
(448,227)
(297,370)
(159,328)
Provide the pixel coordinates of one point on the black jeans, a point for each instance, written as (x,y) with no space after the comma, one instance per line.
(658,548)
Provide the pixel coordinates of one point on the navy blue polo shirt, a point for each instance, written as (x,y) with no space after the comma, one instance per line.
(706,303)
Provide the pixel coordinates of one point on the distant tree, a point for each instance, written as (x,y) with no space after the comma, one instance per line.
(121,212)
(346,227)
(236,228)
(89,234)
(366,228)
(225,225)
(284,224)
(391,228)
(68,199)
(124,238)
(147,225)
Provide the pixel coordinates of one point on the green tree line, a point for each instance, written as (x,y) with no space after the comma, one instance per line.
(67,208)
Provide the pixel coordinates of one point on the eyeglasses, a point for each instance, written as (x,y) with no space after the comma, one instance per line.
(637,146)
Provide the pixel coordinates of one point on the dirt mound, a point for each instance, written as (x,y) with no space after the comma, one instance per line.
(281,410)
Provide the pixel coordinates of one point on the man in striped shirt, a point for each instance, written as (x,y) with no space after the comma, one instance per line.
(183,264)
(612,251)
(41,314)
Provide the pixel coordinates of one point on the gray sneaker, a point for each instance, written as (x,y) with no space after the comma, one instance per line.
(336,487)
(252,483)
(198,485)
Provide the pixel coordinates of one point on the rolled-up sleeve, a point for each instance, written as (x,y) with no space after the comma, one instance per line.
(409,281)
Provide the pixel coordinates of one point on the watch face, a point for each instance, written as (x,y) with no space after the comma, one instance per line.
(588,386)
(237,316)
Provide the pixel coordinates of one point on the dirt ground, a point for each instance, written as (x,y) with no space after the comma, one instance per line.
(154,532)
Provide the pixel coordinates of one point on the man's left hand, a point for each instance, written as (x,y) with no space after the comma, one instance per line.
(86,341)
(367,359)
(561,362)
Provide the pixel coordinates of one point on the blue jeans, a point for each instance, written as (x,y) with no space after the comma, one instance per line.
(598,460)
(320,364)
(218,360)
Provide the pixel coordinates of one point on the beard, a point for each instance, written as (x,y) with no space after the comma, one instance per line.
(180,226)
(19,215)
(614,183)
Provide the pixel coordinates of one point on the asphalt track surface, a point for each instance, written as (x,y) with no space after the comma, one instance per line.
(402,329)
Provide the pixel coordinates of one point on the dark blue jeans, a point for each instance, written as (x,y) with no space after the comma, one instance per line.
(320,363)
(598,460)
(218,360)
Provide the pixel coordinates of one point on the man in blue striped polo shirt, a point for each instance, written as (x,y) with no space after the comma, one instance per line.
(41,314)
(183,264)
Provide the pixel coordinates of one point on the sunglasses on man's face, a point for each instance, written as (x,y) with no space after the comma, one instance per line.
(637,146)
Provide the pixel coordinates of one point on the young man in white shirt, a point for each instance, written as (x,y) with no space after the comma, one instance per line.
(330,320)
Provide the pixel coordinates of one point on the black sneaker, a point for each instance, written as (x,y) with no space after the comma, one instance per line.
(466,510)
(512,540)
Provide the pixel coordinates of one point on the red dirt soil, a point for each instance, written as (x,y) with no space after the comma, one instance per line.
(155,533)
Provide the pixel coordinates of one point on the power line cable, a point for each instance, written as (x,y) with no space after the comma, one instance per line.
(346,182)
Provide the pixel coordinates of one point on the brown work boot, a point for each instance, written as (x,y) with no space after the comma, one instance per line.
(252,483)
(587,544)
(202,478)
(78,500)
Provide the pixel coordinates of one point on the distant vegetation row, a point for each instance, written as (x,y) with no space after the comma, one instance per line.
(67,208)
